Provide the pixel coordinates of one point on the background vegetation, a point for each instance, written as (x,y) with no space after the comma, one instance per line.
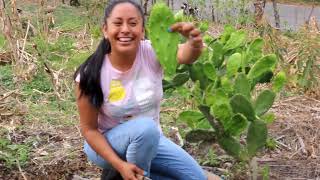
(41,44)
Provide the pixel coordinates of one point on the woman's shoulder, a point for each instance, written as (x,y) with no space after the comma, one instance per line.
(146,49)
(146,44)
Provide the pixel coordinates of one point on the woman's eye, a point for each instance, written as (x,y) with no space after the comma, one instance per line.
(117,23)
(133,24)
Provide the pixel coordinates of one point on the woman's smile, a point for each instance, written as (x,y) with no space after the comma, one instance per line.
(124,29)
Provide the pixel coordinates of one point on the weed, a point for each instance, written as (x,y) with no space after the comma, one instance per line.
(11,153)
(69,18)
(2,42)
(75,60)
(40,83)
(271,144)
(211,158)
(6,77)
(265,172)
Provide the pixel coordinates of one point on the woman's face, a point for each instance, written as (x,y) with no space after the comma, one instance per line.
(124,29)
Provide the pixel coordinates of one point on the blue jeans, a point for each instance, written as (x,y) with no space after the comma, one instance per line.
(139,141)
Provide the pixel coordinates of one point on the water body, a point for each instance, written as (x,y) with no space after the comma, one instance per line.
(292,17)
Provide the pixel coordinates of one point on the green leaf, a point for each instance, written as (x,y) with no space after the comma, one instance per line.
(197,92)
(210,71)
(236,39)
(197,74)
(180,78)
(166,85)
(236,125)
(165,43)
(198,135)
(217,54)
(207,39)
(222,112)
(254,51)
(230,145)
(256,46)
(233,64)
(179,16)
(264,102)
(226,85)
(228,30)
(191,117)
(240,104)
(221,97)
(268,118)
(203,124)
(204,26)
(196,71)
(263,65)
(256,137)
(279,81)
(265,77)
(242,85)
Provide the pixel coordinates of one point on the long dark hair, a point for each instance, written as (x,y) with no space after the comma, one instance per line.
(90,70)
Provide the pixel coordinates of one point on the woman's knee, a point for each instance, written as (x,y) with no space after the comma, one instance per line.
(146,129)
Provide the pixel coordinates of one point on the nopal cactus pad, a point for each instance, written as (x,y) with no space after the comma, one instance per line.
(165,43)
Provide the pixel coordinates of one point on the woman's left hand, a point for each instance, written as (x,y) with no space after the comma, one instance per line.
(189,31)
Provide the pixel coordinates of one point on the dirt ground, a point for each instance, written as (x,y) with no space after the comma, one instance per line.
(57,149)
(57,153)
(297,133)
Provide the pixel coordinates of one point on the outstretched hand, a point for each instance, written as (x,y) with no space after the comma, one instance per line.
(189,31)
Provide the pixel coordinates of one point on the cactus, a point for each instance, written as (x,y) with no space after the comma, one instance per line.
(264,102)
(279,81)
(233,64)
(165,43)
(242,85)
(180,79)
(236,125)
(224,80)
(240,104)
(210,71)
(230,145)
(256,136)
(263,65)
(236,39)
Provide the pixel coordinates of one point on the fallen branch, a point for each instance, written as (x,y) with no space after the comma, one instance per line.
(303,148)
(50,72)
(22,173)
(7,95)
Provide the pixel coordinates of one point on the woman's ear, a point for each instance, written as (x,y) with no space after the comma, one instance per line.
(104,31)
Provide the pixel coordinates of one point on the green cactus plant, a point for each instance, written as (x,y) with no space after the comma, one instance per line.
(224,84)
(227,100)
(164,42)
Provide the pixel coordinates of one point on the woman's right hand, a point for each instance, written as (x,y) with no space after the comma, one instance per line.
(128,171)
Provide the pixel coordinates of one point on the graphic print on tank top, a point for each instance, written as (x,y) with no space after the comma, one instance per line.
(136,98)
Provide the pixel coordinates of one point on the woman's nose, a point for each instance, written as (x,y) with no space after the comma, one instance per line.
(125,28)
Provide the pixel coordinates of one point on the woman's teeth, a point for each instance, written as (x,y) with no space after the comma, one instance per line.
(125,39)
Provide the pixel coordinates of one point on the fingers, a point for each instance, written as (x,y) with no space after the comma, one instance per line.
(189,31)
(183,28)
(138,171)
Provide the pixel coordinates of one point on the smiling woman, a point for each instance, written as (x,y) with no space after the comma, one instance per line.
(119,89)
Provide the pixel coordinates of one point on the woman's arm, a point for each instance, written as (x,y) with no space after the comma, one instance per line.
(192,48)
(89,129)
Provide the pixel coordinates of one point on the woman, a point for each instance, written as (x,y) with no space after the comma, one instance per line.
(119,89)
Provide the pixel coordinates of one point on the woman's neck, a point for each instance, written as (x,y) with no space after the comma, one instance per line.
(122,62)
